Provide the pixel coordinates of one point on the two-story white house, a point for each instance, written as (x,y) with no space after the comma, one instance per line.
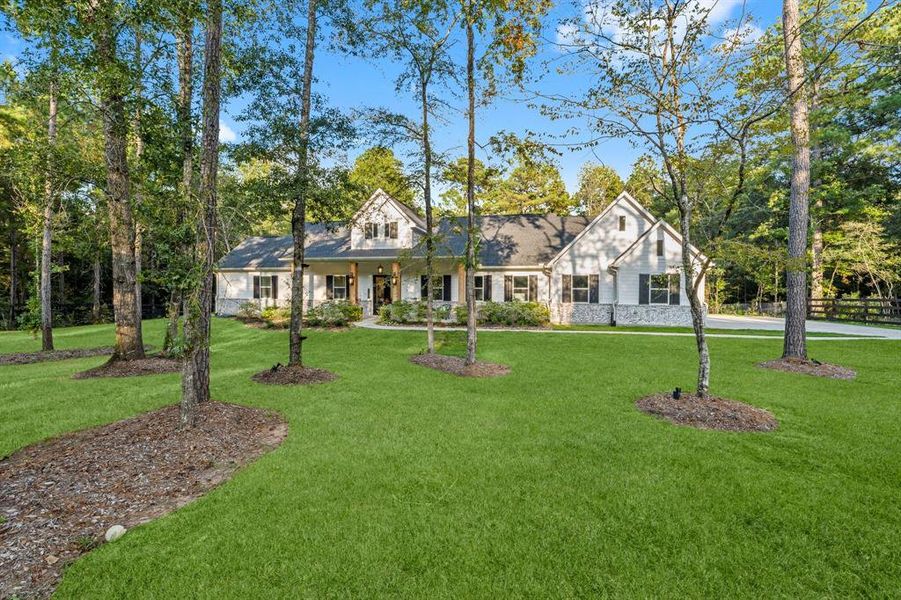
(620,267)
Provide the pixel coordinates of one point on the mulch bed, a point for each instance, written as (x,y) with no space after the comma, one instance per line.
(152,365)
(708,413)
(283,375)
(457,366)
(58,498)
(27,358)
(809,367)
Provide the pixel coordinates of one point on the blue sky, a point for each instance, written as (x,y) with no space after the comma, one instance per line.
(354,83)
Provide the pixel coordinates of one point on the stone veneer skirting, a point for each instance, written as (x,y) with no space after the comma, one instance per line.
(626,314)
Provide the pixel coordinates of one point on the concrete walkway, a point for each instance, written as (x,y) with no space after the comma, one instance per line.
(778,324)
(871,333)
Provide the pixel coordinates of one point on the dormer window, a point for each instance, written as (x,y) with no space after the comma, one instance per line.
(659,242)
(622,223)
(372,230)
(391,230)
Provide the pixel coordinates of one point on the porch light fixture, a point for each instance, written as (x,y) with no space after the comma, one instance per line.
(350,279)
(394,280)
(381,269)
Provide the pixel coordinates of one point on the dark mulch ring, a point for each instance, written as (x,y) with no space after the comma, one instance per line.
(284,375)
(456,365)
(708,413)
(59,497)
(809,367)
(26,358)
(152,365)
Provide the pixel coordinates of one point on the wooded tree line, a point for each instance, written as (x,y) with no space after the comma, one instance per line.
(115,198)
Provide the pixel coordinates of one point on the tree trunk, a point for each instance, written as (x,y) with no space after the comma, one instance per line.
(172,313)
(299,217)
(196,370)
(13,275)
(138,195)
(429,225)
(816,219)
(95,308)
(795,343)
(129,341)
(694,301)
(47,230)
(471,316)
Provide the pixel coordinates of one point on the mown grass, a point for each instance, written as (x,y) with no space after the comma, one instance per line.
(713,330)
(397,480)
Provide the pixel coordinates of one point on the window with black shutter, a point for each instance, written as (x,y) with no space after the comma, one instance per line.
(445,288)
(329,287)
(392,230)
(643,288)
(275,286)
(674,289)
(423,287)
(533,288)
(567,289)
(660,247)
(487,282)
(622,223)
(256,286)
(594,288)
(508,288)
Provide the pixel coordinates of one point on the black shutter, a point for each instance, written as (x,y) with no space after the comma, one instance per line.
(392,230)
(486,286)
(593,285)
(447,288)
(329,287)
(367,228)
(508,288)
(643,290)
(567,289)
(275,287)
(256,286)
(674,289)
(424,286)
(533,288)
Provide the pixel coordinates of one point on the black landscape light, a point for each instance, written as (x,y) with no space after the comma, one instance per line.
(677,393)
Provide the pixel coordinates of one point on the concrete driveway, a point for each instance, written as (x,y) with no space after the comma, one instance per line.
(777,324)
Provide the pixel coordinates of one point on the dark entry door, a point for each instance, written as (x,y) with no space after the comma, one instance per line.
(381,290)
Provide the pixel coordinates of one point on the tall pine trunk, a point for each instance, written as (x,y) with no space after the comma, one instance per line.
(196,370)
(471,316)
(795,342)
(299,217)
(47,228)
(429,223)
(129,341)
(13,275)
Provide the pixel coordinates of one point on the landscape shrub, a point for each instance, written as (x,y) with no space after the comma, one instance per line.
(508,314)
(248,311)
(404,311)
(333,314)
(276,317)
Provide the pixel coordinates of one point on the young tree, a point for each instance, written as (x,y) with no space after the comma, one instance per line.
(659,73)
(196,369)
(417,35)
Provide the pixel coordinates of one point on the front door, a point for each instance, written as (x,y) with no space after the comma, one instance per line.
(381,291)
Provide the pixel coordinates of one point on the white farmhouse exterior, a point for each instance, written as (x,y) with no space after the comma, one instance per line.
(621,267)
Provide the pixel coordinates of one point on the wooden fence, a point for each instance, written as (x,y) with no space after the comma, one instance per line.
(865,310)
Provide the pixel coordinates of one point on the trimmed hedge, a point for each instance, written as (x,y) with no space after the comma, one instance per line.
(508,314)
(333,314)
(402,312)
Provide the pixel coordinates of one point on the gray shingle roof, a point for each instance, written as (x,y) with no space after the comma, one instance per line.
(507,241)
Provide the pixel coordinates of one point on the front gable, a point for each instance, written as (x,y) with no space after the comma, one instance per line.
(383,223)
(606,237)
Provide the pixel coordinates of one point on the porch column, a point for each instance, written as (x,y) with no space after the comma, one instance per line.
(461,283)
(395,281)
(355,283)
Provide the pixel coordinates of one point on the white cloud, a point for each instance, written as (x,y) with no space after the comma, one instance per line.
(227,135)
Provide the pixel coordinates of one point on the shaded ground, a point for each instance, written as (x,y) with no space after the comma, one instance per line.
(457,366)
(26,358)
(809,367)
(57,498)
(283,375)
(708,413)
(152,365)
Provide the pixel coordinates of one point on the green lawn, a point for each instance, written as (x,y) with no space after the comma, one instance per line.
(400,481)
(713,330)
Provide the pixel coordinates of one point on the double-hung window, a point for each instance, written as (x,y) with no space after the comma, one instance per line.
(482,287)
(521,288)
(391,230)
(339,287)
(581,289)
(265,286)
(371,230)
(661,288)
